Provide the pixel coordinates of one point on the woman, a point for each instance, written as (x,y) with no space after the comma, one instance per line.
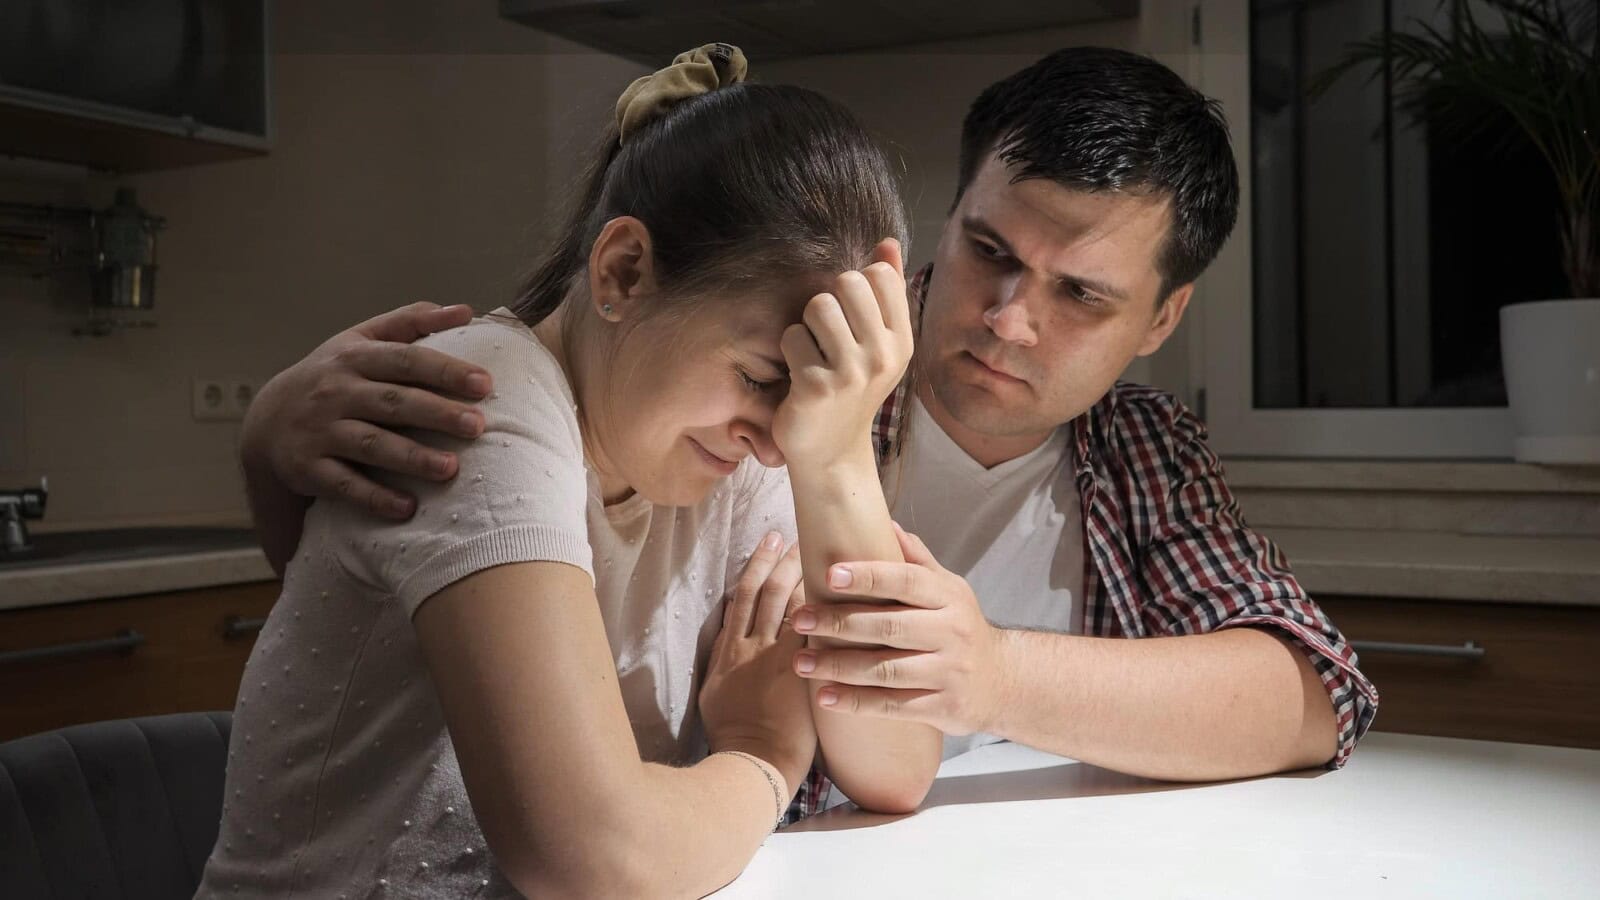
(516,690)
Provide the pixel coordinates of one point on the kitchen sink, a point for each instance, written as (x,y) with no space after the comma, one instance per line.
(77,547)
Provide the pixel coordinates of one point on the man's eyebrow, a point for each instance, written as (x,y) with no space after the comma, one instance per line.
(978,226)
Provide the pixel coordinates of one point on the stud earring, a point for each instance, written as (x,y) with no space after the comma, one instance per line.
(606,310)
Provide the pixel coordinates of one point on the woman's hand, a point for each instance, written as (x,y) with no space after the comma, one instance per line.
(751,699)
(844,358)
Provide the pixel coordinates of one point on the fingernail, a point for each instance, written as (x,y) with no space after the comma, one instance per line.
(478,383)
(441,465)
(400,508)
(469,424)
(839,577)
(804,620)
(827,697)
(805,663)
(772,540)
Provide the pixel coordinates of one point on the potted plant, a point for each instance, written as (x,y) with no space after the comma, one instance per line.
(1540,70)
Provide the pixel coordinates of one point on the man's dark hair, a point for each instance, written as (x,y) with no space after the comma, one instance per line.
(1097,119)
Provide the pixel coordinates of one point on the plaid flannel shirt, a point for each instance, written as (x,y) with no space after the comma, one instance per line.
(1167,551)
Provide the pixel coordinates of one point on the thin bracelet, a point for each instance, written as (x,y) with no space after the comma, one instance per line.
(777,792)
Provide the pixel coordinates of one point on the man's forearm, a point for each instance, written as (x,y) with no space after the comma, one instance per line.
(1228,704)
(882,764)
(278,512)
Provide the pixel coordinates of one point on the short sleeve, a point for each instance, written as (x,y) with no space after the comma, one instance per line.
(520,493)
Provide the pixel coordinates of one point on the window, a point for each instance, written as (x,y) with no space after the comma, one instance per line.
(1355,313)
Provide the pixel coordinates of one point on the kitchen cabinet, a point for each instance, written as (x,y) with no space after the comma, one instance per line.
(109,659)
(135,85)
(1536,681)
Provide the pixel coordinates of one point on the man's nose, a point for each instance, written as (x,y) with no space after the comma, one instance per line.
(1010,319)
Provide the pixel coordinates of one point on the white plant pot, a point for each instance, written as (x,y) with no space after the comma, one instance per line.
(1550,351)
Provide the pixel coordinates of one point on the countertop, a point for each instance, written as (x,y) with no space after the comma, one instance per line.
(1423,565)
(49,585)
(1439,566)
(1408,817)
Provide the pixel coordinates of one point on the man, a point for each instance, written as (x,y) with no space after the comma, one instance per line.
(1059,510)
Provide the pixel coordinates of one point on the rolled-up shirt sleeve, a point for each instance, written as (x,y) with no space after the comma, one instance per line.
(1205,569)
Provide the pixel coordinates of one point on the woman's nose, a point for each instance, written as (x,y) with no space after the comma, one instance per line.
(759,439)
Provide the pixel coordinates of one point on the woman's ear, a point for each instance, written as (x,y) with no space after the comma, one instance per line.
(621,269)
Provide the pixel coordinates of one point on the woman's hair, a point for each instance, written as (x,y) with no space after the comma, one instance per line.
(747,184)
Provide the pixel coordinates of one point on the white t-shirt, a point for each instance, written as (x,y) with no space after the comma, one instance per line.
(1015,531)
(341,773)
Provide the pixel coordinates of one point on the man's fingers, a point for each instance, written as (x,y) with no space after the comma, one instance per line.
(333,480)
(413,321)
(747,590)
(425,367)
(869,668)
(902,627)
(881,703)
(775,595)
(906,583)
(370,445)
(409,407)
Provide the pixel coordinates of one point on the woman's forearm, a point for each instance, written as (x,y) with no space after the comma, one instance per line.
(841,515)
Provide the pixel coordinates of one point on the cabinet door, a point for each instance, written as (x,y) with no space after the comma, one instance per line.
(111,659)
(1536,681)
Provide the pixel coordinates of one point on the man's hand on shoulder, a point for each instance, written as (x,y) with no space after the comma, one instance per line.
(336,409)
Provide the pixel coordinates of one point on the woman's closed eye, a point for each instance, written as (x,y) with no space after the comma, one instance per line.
(758,385)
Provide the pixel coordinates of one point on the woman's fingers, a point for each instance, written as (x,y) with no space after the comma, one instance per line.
(825,318)
(747,591)
(775,595)
(802,356)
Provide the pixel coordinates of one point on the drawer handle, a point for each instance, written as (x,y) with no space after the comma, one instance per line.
(125,641)
(239,626)
(1468,650)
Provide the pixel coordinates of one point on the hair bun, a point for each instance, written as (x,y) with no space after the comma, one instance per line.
(692,73)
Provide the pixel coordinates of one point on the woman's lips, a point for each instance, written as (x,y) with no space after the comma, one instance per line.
(722,466)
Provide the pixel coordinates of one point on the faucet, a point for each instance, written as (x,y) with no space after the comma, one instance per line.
(16,506)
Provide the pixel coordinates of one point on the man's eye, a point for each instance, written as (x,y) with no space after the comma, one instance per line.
(1084,295)
(987,251)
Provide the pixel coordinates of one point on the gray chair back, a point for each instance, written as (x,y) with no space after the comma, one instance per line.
(122,810)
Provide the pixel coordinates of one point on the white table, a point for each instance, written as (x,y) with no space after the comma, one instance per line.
(1408,817)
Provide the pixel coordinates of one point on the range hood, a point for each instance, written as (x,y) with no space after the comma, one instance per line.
(651,33)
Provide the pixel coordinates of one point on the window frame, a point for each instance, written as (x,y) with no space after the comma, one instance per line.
(1225,301)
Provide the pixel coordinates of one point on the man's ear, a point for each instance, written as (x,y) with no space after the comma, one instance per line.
(621,268)
(1167,318)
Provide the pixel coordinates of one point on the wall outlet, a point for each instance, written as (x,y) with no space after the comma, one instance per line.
(221,399)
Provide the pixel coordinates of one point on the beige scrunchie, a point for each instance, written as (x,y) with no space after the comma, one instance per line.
(693,72)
